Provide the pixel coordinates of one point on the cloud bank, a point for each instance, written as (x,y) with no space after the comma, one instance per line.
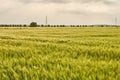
(59,11)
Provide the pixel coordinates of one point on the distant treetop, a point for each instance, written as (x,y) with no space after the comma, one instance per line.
(33,24)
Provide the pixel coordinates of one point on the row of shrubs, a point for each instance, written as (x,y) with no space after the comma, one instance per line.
(60,26)
(34,24)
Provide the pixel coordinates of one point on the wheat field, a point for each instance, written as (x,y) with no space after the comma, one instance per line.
(90,53)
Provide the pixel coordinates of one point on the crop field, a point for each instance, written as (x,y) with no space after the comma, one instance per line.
(60,53)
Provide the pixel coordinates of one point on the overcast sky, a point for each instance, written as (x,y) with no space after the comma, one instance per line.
(59,11)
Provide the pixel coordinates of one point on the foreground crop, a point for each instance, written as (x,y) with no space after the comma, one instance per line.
(59,53)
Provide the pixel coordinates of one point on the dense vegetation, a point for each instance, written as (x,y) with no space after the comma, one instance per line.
(60,53)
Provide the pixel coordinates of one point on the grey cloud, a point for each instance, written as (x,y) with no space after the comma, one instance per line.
(82,12)
(107,2)
(56,1)
(44,1)
(76,12)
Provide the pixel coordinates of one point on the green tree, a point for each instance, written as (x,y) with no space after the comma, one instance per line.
(33,24)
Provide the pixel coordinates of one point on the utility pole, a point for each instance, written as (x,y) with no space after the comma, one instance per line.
(116,22)
(46,21)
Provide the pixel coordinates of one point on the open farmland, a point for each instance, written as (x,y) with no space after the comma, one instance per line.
(60,53)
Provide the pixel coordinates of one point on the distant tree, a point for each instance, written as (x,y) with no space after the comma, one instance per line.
(58,25)
(42,25)
(77,26)
(25,25)
(33,24)
(6,25)
(71,25)
(48,25)
(54,25)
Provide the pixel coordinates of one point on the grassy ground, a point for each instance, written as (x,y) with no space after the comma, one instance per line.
(59,53)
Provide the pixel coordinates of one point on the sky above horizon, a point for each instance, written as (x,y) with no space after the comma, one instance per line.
(59,11)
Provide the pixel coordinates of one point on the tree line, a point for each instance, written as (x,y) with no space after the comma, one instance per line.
(34,24)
